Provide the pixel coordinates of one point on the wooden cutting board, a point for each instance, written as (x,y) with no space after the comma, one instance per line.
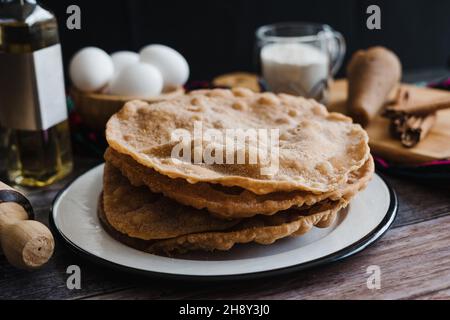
(435,147)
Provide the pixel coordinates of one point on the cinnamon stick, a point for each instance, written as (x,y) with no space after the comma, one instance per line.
(413,129)
(412,121)
(403,104)
(420,108)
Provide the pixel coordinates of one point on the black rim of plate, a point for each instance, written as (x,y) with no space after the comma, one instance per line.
(344,253)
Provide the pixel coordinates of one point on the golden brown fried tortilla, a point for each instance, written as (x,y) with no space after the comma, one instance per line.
(232,202)
(153,223)
(317,149)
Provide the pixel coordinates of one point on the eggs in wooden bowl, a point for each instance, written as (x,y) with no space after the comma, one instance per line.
(103,83)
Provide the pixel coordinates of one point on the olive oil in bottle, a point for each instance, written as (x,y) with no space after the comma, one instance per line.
(33,113)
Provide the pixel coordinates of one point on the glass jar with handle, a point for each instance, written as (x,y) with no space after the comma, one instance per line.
(300,58)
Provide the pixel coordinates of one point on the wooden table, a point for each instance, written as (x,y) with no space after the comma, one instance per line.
(414,257)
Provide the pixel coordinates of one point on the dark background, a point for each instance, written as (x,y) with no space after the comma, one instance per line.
(218,36)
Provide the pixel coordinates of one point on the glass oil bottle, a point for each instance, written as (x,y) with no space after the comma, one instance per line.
(33,113)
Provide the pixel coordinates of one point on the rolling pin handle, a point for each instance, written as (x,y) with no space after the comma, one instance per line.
(27,244)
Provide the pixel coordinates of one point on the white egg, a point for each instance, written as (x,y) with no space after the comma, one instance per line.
(137,80)
(91,69)
(122,59)
(172,65)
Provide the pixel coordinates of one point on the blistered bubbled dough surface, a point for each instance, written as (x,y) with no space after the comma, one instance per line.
(317,149)
(228,202)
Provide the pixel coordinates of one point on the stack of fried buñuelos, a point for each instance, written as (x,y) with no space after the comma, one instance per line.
(161,204)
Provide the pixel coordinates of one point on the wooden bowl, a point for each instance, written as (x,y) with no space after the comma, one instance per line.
(95,109)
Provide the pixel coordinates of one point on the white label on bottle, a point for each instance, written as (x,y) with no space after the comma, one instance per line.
(32,94)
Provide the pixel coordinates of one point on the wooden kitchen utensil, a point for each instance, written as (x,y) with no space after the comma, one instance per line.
(436,146)
(26,244)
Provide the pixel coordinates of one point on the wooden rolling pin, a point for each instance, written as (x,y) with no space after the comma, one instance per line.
(26,244)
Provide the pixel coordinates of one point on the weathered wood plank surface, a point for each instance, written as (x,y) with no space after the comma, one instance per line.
(414,261)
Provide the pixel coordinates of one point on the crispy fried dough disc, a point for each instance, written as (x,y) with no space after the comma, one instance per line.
(317,149)
(154,223)
(262,230)
(232,202)
(139,213)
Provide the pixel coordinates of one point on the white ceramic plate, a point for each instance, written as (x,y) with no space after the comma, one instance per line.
(367,218)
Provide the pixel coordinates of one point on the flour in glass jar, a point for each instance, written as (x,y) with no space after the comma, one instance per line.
(294,68)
